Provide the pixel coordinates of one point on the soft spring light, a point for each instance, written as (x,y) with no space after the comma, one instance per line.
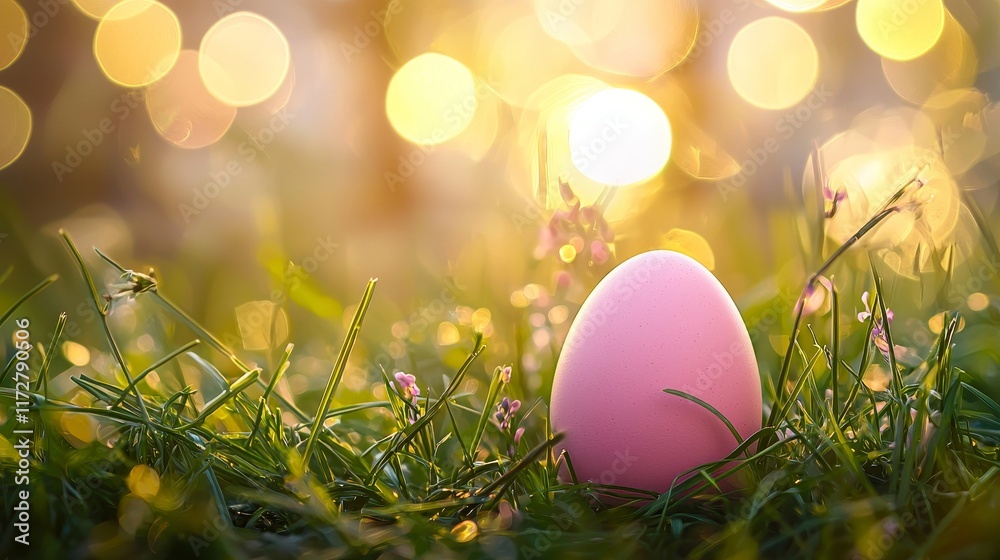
(619,137)
(137,42)
(15,126)
(244,58)
(772,63)
(900,29)
(431,99)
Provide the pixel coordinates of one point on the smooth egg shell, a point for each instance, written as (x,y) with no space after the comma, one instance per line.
(659,320)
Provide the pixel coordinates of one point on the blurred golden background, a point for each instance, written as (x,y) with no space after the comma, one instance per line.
(269,157)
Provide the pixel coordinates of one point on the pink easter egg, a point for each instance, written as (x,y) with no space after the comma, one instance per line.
(659,320)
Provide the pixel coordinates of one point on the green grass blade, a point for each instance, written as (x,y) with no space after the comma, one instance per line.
(338,371)
(28,295)
(152,367)
(236,388)
(708,407)
(411,431)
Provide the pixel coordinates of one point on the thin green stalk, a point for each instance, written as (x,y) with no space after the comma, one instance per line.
(338,371)
(835,365)
(279,370)
(484,417)
(810,285)
(204,333)
(102,311)
(236,388)
(43,371)
(152,367)
(30,293)
(403,438)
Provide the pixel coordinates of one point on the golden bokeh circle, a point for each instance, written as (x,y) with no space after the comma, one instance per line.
(137,42)
(619,137)
(900,29)
(244,59)
(96,9)
(13,32)
(183,111)
(431,99)
(15,126)
(949,65)
(772,63)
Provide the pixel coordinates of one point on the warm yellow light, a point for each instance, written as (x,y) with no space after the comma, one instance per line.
(77,354)
(929,212)
(243,59)
(96,9)
(567,253)
(79,429)
(519,300)
(900,29)
(13,32)
(144,482)
(619,137)
(182,109)
(576,23)
(690,244)
(772,63)
(137,42)
(797,5)
(698,153)
(522,57)
(447,334)
(263,325)
(949,65)
(15,126)
(431,99)
(465,531)
(978,301)
(648,37)
(481,317)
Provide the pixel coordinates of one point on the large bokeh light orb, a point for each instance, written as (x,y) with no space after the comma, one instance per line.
(137,42)
(243,59)
(431,99)
(182,109)
(900,29)
(619,137)
(15,126)
(772,63)
(14,31)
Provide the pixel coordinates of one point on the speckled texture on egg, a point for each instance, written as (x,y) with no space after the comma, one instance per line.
(659,320)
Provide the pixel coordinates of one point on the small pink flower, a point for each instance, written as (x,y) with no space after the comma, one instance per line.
(408,385)
(832,200)
(517,439)
(517,435)
(878,329)
(505,374)
(505,412)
